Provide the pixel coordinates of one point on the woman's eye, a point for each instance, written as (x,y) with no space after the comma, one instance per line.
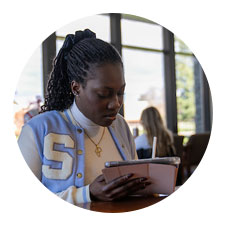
(121,94)
(102,95)
(109,95)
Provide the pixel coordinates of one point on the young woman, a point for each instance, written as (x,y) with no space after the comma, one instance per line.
(153,126)
(79,127)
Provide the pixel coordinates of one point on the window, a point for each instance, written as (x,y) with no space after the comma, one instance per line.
(29,89)
(145,83)
(140,34)
(100,24)
(143,57)
(180,46)
(185,94)
(143,61)
(30,81)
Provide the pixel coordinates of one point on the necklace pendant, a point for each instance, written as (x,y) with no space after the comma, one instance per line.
(98,150)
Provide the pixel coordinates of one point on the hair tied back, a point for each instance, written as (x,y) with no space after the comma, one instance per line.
(71,39)
(80,35)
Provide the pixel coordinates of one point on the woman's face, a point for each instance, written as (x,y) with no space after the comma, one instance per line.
(102,96)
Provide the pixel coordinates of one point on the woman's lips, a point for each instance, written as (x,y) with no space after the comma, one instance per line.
(110,117)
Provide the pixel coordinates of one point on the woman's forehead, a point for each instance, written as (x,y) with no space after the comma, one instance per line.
(107,76)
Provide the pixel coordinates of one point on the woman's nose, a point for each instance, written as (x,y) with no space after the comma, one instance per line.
(115,103)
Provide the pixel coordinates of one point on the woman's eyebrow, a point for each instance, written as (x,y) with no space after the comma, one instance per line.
(110,88)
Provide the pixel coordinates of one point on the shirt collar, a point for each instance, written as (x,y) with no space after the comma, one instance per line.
(82,120)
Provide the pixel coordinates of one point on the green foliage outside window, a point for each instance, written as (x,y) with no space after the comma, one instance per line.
(185,90)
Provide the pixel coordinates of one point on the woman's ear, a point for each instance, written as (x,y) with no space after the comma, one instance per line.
(75,87)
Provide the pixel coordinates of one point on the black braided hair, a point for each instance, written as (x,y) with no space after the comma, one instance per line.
(76,57)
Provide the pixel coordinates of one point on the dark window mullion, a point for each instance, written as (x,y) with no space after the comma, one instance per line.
(115,29)
(170,80)
(48,55)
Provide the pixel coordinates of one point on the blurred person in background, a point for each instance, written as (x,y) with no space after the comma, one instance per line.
(153,125)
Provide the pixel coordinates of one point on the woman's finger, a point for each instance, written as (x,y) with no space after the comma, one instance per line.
(100,178)
(132,190)
(128,188)
(117,182)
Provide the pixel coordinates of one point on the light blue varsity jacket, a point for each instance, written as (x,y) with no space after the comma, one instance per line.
(59,141)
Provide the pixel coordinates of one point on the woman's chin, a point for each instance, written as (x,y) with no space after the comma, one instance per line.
(107,121)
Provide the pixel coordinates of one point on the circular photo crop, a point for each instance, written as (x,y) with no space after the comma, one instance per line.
(113,113)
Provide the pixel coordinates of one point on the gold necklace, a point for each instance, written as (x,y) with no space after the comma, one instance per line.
(98,149)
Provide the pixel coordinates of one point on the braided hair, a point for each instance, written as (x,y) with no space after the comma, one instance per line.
(75,59)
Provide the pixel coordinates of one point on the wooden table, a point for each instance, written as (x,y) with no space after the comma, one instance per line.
(125,205)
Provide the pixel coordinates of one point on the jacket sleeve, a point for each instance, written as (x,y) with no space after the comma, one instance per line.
(29,151)
(75,195)
(124,134)
(130,140)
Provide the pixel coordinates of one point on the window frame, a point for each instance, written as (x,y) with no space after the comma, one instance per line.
(203,99)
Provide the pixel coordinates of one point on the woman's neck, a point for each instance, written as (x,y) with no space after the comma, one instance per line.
(90,127)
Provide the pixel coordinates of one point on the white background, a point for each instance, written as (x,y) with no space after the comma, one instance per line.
(25,24)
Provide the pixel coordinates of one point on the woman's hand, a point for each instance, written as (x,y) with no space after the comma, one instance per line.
(118,188)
